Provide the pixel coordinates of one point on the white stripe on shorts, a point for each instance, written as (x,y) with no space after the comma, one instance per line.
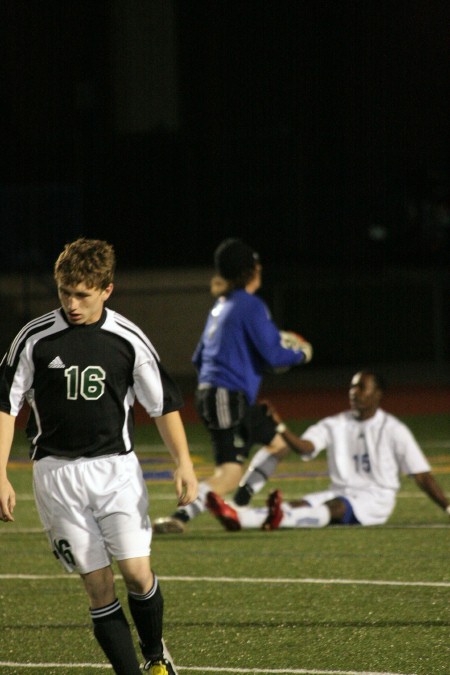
(223,408)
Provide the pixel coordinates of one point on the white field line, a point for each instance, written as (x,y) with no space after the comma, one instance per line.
(212,528)
(15,664)
(285,671)
(203,669)
(251,580)
(403,494)
(29,497)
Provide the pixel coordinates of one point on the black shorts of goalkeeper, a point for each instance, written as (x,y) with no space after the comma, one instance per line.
(233,424)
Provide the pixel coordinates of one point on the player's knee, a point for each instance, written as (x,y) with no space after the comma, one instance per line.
(137,575)
(278,448)
(340,510)
(99,586)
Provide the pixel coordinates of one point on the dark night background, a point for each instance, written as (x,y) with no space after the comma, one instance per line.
(318,130)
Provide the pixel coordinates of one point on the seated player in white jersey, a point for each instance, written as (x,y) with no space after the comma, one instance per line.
(367,451)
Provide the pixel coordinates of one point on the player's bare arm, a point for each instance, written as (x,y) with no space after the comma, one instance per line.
(172,432)
(7,494)
(298,445)
(427,482)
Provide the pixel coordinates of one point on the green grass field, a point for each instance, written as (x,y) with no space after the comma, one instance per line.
(334,601)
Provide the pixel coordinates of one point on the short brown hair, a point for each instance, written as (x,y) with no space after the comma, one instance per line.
(88,261)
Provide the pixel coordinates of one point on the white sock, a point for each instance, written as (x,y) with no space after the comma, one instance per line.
(293,516)
(305,516)
(252,518)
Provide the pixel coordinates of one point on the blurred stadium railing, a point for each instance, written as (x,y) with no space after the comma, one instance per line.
(397,320)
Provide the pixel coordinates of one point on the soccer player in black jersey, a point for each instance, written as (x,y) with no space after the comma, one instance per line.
(80,369)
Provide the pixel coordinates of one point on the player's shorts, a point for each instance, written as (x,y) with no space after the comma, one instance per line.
(93,509)
(234,425)
(369,506)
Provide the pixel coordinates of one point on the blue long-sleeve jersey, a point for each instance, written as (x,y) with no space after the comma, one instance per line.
(238,341)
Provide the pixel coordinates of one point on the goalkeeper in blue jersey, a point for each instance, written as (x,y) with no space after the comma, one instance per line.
(239,342)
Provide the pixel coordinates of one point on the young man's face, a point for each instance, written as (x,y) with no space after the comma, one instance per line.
(83,305)
(364,396)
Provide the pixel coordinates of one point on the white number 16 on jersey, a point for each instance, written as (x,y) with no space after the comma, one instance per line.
(89,383)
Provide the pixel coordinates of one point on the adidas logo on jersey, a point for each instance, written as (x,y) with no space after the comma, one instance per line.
(56,363)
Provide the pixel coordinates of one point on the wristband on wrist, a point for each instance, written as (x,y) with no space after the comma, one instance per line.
(280,428)
(447,509)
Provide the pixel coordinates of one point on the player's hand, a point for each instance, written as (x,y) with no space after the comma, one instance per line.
(272,412)
(292,340)
(7,500)
(186,484)
(307,350)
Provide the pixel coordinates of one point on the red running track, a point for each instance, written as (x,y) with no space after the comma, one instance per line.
(315,404)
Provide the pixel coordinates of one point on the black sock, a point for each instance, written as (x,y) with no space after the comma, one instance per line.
(181,515)
(147,612)
(243,495)
(113,634)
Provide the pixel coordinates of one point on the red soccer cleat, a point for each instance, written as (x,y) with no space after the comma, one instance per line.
(275,515)
(223,512)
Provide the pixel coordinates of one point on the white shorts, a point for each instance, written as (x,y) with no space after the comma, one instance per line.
(371,506)
(93,509)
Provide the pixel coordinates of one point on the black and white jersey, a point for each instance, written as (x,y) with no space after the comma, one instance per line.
(81,383)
